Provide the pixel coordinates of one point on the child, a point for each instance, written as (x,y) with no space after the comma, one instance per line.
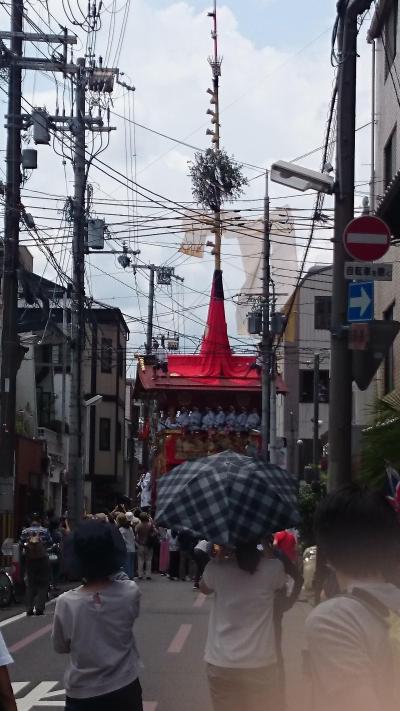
(94,624)
(174,555)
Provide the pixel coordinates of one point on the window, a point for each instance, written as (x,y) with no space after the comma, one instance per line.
(322,313)
(119,436)
(389,157)
(45,408)
(388,363)
(105,434)
(389,37)
(106,355)
(306,394)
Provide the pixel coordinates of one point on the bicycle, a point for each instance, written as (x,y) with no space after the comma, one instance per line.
(7,589)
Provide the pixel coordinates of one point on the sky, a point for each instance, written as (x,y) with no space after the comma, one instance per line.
(276,86)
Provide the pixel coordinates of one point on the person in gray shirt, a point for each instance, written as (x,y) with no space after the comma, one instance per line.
(183,417)
(220,418)
(241,420)
(195,419)
(93,624)
(208,420)
(253,420)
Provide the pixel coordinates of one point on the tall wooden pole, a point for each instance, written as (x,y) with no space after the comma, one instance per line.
(215,62)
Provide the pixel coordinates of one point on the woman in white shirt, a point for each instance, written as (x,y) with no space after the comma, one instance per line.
(93,624)
(128,534)
(240,650)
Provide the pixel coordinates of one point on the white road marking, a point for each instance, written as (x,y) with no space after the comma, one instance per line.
(43,696)
(38,696)
(200,600)
(179,640)
(18,686)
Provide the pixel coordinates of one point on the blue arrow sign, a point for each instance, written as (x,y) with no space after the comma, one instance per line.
(361,302)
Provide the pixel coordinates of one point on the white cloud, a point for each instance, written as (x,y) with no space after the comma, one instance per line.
(274,105)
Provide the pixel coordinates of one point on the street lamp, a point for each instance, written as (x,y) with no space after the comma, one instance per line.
(300,178)
(88,404)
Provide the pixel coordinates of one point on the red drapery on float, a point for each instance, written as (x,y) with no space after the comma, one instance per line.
(216,359)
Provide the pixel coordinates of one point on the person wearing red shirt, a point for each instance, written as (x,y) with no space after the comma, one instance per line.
(287,543)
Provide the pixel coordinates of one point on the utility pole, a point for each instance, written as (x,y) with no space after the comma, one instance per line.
(11,352)
(340,410)
(9,341)
(150,311)
(266,335)
(75,455)
(164,276)
(316,452)
(273,448)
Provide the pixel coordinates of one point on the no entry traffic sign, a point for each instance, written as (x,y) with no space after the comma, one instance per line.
(367,238)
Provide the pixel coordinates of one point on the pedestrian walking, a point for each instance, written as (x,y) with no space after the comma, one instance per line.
(145,533)
(128,535)
(285,598)
(7,699)
(240,651)
(187,541)
(93,624)
(35,543)
(353,638)
(174,554)
(55,553)
(164,551)
(201,556)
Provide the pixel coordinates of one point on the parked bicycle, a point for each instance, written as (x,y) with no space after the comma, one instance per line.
(7,588)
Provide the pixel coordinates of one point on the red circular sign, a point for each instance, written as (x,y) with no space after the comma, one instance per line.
(367,238)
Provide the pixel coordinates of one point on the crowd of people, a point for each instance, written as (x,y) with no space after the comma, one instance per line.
(150,549)
(353,638)
(196,420)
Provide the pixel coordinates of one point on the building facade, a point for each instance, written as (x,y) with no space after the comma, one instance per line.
(307,334)
(384,35)
(104,374)
(43,392)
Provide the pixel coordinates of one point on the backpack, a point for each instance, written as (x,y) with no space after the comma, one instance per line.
(35,548)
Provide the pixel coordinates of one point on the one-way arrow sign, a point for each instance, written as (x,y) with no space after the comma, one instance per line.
(361,302)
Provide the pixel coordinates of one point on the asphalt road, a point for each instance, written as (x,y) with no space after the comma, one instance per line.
(170,633)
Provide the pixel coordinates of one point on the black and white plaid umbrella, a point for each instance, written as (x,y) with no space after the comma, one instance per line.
(228,498)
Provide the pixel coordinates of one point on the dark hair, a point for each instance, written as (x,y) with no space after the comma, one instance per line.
(144,517)
(248,557)
(137,512)
(358,531)
(95,550)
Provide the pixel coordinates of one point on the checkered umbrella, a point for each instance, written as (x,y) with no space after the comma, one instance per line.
(228,498)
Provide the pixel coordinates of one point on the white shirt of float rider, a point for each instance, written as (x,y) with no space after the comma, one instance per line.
(162,355)
(145,496)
